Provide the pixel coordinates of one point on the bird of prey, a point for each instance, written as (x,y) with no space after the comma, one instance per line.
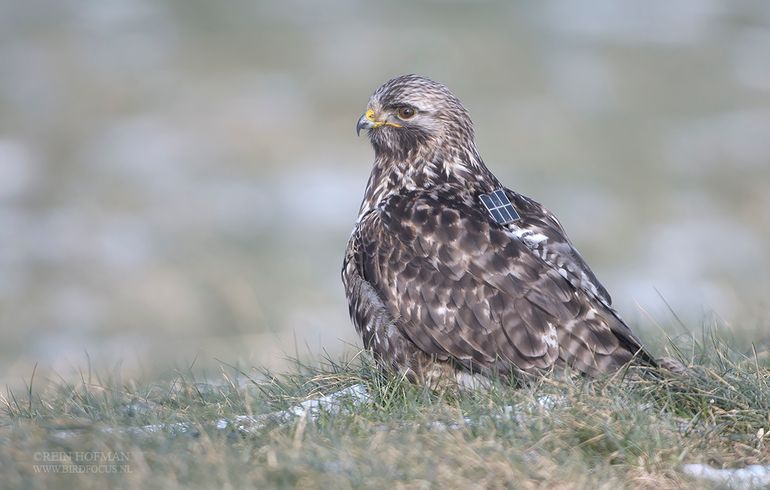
(452,277)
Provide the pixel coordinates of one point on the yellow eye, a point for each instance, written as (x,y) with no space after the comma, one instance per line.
(405,113)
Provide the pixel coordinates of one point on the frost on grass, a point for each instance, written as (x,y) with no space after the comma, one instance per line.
(516,413)
(334,403)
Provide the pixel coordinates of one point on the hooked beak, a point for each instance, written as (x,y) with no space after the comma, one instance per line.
(364,123)
(369,121)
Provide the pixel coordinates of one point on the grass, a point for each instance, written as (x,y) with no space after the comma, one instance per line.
(624,431)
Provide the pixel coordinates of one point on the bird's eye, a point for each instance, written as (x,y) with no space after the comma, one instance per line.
(406,113)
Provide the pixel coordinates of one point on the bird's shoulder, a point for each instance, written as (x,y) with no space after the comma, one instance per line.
(542,232)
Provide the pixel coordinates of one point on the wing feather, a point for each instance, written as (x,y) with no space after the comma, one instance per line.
(465,289)
(542,232)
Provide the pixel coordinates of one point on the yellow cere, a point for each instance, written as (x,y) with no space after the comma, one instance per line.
(371,116)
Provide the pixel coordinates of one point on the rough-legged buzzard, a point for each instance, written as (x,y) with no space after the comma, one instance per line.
(451,276)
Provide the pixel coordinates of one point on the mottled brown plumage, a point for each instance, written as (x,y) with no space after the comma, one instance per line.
(436,287)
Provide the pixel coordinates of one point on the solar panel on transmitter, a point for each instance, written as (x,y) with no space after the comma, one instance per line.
(499,207)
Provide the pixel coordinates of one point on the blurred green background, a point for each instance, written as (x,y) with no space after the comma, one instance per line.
(178,179)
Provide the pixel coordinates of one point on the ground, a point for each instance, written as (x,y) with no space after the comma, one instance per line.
(245,428)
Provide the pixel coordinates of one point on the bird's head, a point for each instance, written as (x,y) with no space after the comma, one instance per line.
(414,113)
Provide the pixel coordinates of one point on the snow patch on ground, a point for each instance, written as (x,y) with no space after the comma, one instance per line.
(752,476)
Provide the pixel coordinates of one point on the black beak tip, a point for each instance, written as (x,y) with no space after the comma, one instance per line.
(363,123)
